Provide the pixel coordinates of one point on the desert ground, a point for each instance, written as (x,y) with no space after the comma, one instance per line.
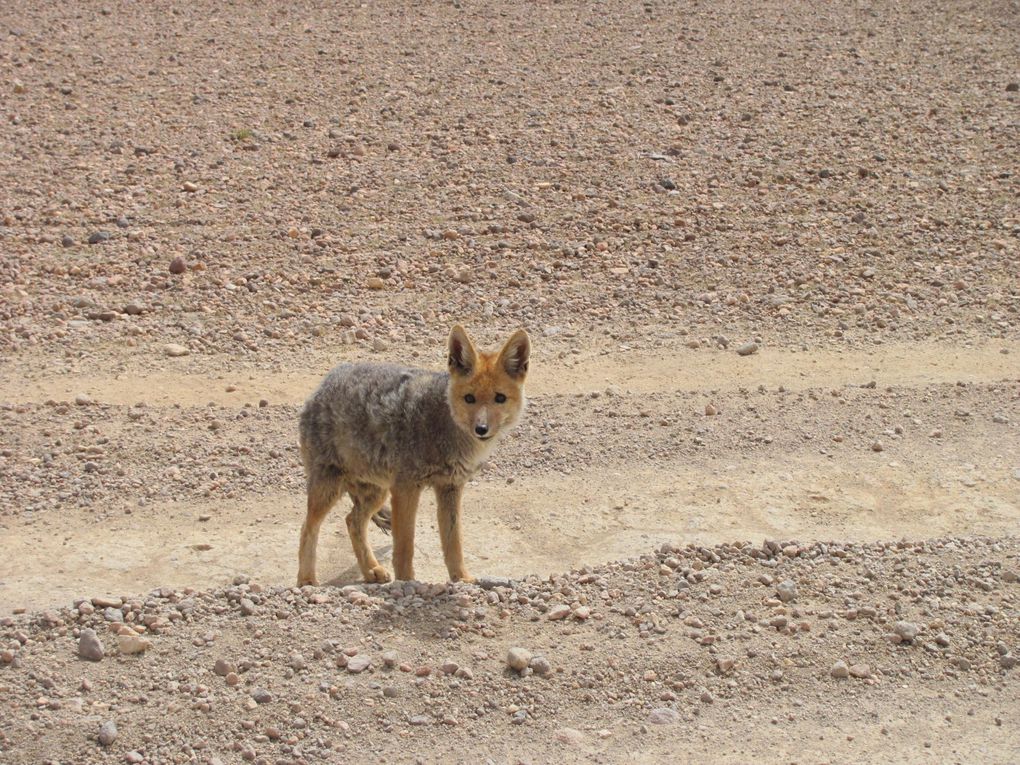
(764,504)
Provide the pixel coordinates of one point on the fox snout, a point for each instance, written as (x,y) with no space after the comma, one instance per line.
(482,423)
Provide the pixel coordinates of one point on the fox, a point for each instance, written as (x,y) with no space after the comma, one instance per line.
(372,429)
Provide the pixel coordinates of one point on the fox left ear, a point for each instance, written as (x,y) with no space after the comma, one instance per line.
(515,354)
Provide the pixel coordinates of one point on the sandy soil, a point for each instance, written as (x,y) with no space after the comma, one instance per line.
(204,207)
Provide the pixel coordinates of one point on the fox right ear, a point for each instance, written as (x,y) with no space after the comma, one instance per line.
(462,356)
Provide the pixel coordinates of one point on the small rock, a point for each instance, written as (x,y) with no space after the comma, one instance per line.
(261,696)
(83,399)
(558,612)
(378,344)
(449,667)
(247,607)
(189,187)
(90,646)
(861,671)
(747,349)
(710,410)
(375,283)
(907,631)
(518,658)
(67,241)
(134,308)
(178,265)
(540,666)
(877,446)
(174,350)
(107,733)
(358,663)
(389,659)
(132,644)
(99,237)
(840,670)
(491,582)
(663,716)
(725,664)
(787,591)
(222,667)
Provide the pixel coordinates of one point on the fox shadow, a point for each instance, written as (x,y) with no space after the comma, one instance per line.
(438,614)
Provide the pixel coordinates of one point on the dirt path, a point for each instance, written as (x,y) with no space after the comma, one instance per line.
(551,520)
(195,382)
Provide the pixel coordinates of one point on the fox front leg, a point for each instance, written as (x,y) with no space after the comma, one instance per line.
(448,515)
(405,508)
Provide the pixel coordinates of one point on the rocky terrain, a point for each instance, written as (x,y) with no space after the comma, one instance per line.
(881,651)
(765,500)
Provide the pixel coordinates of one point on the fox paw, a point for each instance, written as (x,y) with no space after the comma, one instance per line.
(377,574)
(304,579)
(464,577)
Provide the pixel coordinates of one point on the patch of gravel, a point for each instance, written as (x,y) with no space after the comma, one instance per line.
(616,185)
(330,671)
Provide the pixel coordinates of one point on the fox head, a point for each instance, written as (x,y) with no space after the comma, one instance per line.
(486,390)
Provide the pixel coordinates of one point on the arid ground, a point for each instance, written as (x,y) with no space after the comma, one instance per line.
(765,503)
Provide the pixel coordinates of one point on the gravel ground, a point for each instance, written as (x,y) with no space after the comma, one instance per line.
(767,253)
(267,180)
(593,663)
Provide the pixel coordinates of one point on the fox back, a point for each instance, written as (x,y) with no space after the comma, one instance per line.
(383,423)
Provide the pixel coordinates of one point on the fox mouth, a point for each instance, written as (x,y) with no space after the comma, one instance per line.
(486,437)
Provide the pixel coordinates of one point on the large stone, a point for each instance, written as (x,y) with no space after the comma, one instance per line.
(518,658)
(90,646)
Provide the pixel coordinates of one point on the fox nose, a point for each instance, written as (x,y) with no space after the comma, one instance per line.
(481,429)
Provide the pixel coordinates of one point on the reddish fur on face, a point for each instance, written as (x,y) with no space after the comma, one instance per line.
(484,376)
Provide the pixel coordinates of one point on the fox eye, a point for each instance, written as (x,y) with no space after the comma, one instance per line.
(469,398)
(500,398)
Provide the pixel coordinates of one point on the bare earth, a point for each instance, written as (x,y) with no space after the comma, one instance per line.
(808,553)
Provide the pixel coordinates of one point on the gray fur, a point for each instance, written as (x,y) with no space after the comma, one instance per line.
(386,424)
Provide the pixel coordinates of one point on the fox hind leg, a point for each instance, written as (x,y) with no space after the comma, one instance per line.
(324,490)
(368,499)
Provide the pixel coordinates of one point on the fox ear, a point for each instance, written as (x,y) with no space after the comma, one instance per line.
(515,354)
(463,355)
